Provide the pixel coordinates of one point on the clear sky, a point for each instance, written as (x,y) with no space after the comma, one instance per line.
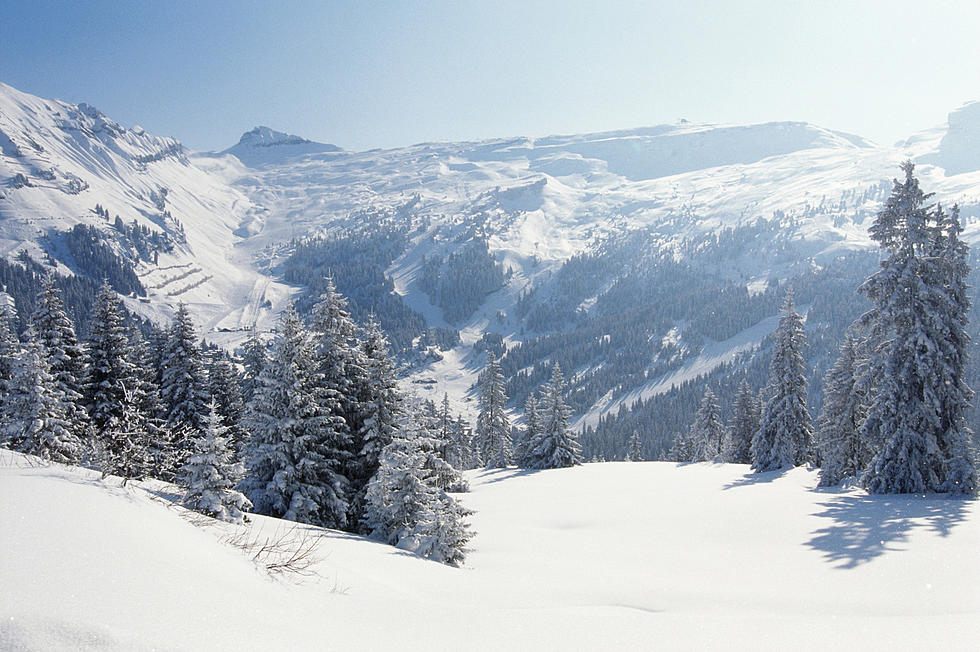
(382,74)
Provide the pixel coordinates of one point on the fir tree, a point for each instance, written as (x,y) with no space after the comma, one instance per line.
(56,335)
(184,382)
(404,509)
(492,424)
(9,354)
(843,452)
(915,414)
(297,442)
(634,453)
(211,474)
(255,356)
(745,423)
(556,446)
(36,414)
(224,388)
(532,429)
(707,430)
(783,438)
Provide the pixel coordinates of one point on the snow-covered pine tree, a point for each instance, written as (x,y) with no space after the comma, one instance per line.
(744,425)
(440,473)
(843,452)
(707,430)
(152,414)
(953,308)
(532,428)
(111,381)
(634,452)
(56,335)
(184,383)
(36,412)
(297,444)
(555,446)
(492,424)
(339,357)
(211,474)
(380,405)
(915,400)
(404,509)
(255,356)
(123,444)
(9,353)
(682,449)
(468,456)
(784,436)
(224,388)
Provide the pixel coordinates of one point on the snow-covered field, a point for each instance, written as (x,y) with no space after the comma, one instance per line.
(603,556)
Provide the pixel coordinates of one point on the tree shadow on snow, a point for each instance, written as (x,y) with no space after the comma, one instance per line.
(755,478)
(499,475)
(864,527)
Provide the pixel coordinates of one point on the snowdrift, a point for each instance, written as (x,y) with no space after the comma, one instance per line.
(604,556)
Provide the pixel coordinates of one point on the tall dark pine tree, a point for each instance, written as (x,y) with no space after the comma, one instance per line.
(532,428)
(744,425)
(843,451)
(297,446)
(380,406)
(9,353)
(914,418)
(555,446)
(492,424)
(56,335)
(184,384)
(225,390)
(784,436)
(255,355)
(634,452)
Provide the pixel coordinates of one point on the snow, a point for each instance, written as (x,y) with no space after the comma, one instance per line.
(602,556)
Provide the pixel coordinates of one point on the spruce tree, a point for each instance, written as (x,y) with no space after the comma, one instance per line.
(744,425)
(255,356)
(404,509)
(36,413)
(184,381)
(555,446)
(634,452)
(532,428)
(914,419)
(784,436)
(707,430)
(843,451)
(297,446)
(9,354)
(492,424)
(56,335)
(211,474)
(225,390)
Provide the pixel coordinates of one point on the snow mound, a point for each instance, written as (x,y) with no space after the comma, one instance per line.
(603,556)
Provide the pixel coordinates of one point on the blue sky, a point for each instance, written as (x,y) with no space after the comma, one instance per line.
(382,74)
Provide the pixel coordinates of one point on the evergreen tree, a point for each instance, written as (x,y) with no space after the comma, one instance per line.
(463,454)
(380,407)
(492,424)
(556,446)
(297,442)
(745,423)
(184,384)
(111,381)
(36,414)
(224,388)
(56,335)
(532,429)
(9,354)
(255,356)
(784,434)
(210,474)
(404,509)
(682,449)
(151,412)
(915,414)
(635,451)
(707,430)
(843,452)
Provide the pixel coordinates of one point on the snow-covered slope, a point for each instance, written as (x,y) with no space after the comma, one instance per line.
(59,160)
(603,556)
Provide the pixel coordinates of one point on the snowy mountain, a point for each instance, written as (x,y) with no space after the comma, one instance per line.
(575,235)
(601,556)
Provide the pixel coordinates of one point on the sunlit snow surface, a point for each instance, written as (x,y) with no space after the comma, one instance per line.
(604,556)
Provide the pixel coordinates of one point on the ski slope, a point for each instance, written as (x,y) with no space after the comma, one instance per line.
(603,556)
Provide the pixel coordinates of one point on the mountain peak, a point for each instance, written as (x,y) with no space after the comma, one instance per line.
(264,146)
